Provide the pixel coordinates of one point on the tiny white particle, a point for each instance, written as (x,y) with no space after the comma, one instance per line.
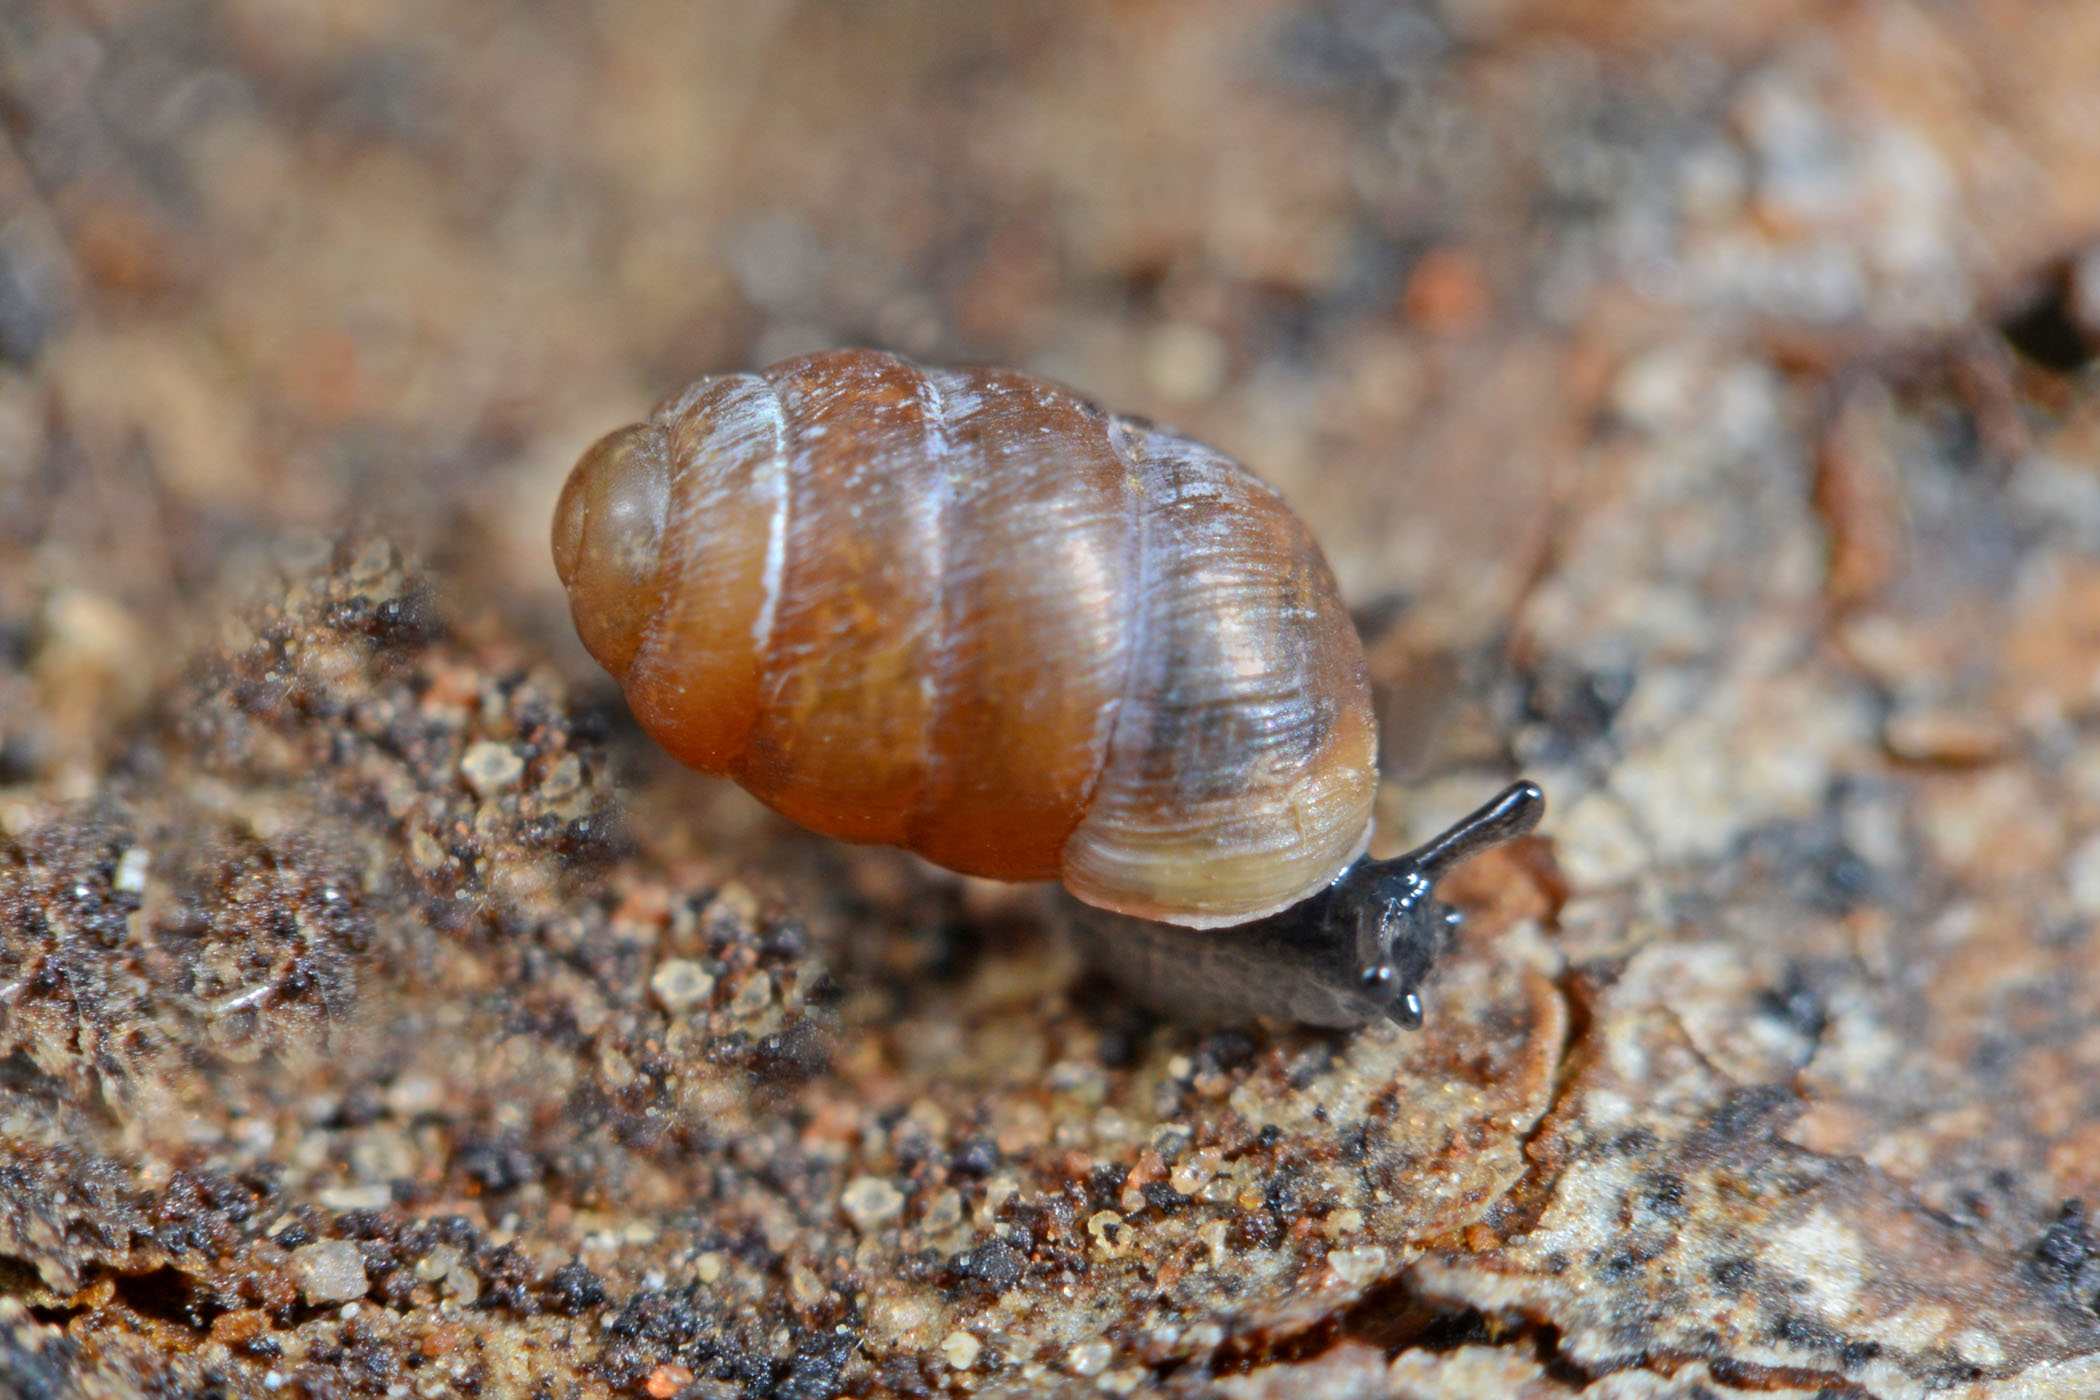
(131,871)
(961,1349)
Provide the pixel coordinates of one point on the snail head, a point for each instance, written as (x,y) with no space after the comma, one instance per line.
(1390,909)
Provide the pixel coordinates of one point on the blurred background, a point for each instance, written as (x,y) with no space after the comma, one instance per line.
(1696,399)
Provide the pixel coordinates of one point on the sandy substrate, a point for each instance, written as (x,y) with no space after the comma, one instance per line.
(1699,401)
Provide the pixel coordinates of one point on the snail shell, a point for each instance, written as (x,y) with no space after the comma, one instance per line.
(967,612)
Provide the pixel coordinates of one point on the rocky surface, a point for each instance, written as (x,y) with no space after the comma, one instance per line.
(1699,400)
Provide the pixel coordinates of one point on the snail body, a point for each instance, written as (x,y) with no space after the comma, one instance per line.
(969,613)
(1356,951)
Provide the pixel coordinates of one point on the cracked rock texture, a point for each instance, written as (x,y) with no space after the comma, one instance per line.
(1698,400)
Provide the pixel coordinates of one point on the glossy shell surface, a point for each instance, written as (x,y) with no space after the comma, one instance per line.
(967,612)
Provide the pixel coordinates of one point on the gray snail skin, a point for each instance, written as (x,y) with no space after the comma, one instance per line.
(966,612)
(1356,952)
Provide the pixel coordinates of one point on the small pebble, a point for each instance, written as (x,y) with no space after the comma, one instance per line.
(961,1349)
(753,995)
(374,1195)
(1106,1226)
(680,984)
(1359,1266)
(374,563)
(424,852)
(131,871)
(1089,1358)
(562,780)
(870,1201)
(1194,1172)
(490,767)
(944,1214)
(441,1260)
(329,1271)
(667,1380)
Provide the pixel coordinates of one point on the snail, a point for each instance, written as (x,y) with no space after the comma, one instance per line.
(967,612)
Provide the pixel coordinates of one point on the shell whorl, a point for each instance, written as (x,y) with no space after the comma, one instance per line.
(967,612)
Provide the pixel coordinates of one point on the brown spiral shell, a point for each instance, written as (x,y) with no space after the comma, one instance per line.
(966,612)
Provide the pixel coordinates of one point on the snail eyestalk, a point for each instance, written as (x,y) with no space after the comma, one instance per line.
(1391,909)
(1356,952)
(1514,811)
